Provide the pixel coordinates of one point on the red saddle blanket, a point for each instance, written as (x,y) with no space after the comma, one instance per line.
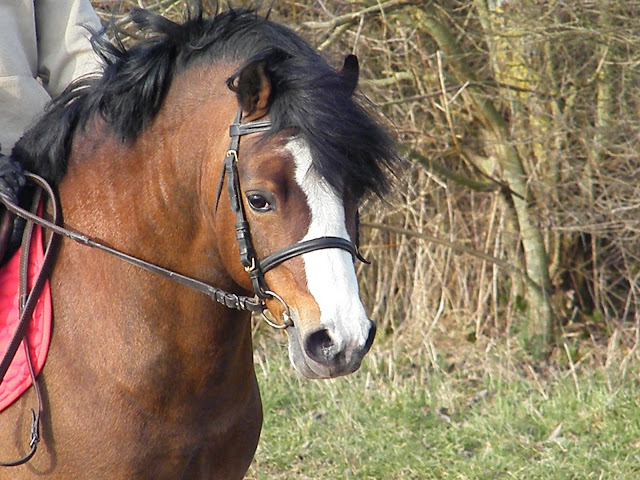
(17,379)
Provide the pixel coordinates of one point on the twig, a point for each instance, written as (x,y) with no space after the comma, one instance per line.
(574,376)
(414,98)
(358,33)
(445,102)
(353,16)
(457,248)
(335,34)
(383,82)
(451,175)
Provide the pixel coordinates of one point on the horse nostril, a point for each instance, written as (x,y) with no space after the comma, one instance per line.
(319,346)
(372,335)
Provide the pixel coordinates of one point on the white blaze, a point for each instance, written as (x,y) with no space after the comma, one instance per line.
(331,277)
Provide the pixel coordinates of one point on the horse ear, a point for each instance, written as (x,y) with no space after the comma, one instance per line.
(253,88)
(349,73)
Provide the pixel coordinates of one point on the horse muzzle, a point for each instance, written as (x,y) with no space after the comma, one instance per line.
(322,353)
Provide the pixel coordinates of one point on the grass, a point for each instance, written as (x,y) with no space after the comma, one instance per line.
(479,418)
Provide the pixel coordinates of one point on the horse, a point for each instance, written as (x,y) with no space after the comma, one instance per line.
(225,153)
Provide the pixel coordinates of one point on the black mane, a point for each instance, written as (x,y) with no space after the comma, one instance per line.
(349,149)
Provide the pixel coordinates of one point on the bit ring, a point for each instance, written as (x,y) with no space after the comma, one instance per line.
(286,314)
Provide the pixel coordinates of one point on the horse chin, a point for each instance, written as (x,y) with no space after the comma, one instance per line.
(308,367)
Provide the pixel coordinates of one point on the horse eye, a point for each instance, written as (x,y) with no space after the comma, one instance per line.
(258,203)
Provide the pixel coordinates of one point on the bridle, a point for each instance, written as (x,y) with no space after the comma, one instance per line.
(254,267)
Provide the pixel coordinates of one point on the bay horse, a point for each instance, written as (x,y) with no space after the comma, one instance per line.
(147,378)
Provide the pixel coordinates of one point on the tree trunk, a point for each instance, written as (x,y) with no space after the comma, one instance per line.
(537,333)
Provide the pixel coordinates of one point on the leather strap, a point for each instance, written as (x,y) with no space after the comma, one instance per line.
(238,129)
(248,256)
(307,246)
(5,231)
(27,304)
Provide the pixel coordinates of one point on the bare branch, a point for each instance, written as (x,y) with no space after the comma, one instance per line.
(460,249)
(352,17)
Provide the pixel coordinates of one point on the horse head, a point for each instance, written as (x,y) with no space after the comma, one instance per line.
(292,197)
(288,202)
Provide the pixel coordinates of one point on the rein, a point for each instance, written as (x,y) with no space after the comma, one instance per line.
(27,304)
(227,299)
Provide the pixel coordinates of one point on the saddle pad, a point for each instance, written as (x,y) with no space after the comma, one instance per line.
(17,379)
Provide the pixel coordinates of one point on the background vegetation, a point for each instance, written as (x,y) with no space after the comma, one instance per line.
(505,263)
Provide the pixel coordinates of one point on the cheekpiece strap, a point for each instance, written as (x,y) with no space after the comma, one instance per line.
(248,256)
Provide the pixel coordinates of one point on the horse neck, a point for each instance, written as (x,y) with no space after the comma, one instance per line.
(132,197)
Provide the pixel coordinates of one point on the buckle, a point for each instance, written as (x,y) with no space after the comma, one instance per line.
(252,267)
(232,153)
